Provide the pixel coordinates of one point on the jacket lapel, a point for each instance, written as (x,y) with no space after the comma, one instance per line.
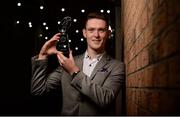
(79,61)
(104,60)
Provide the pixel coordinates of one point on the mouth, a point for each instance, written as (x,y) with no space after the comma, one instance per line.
(96,40)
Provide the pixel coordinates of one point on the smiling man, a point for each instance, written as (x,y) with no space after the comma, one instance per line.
(89,82)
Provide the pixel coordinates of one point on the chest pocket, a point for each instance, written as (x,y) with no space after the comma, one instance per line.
(101,76)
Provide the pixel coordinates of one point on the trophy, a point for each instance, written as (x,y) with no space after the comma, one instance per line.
(63,43)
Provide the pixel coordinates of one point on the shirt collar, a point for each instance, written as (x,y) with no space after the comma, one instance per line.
(98,56)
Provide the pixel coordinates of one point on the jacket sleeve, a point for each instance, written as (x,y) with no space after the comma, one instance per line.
(42,81)
(105,93)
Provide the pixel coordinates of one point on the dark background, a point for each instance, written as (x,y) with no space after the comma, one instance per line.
(19,43)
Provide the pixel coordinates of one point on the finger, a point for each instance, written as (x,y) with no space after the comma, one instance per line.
(55,37)
(70,54)
(60,59)
(58,34)
(59,52)
(53,40)
(56,51)
(62,56)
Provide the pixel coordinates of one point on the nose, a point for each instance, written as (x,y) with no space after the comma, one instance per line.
(96,33)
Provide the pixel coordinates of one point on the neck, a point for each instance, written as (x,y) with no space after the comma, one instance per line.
(93,53)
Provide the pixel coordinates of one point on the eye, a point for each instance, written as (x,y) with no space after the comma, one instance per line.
(102,30)
(90,29)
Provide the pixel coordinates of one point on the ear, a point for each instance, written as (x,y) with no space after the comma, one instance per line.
(84,32)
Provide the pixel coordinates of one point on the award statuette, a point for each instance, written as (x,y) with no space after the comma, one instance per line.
(63,43)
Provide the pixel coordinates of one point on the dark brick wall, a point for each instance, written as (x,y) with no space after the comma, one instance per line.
(152,56)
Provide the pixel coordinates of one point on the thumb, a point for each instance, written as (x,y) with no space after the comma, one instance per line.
(70,54)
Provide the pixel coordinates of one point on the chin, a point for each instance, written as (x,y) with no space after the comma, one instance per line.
(96,47)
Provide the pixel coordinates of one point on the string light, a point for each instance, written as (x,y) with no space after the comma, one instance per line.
(109,28)
(17,22)
(46,27)
(82,39)
(77,31)
(44,23)
(76,48)
(46,38)
(19,4)
(82,10)
(75,20)
(62,9)
(112,35)
(40,35)
(101,10)
(41,7)
(58,22)
(30,24)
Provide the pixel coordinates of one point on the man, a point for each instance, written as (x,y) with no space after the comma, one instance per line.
(90,82)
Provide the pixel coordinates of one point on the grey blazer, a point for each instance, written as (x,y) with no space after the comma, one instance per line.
(81,95)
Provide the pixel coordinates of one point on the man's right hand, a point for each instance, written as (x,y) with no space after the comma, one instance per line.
(49,48)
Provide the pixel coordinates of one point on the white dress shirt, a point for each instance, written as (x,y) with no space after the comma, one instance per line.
(89,64)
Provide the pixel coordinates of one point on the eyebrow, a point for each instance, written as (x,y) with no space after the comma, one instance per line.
(92,28)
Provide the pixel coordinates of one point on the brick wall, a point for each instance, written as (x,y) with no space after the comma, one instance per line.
(152,56)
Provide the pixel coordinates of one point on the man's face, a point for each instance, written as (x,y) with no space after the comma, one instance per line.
(96,33)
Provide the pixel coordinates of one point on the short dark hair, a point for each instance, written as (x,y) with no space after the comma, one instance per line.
(97,15)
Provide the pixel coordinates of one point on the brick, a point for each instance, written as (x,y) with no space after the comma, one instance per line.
(152,6)
(169,101)
(129,39)
(141,24)
(143,100)
(148,77)
(160,20)
(131,98)
(161,2)
(142,59)
(160,74)
(155,75)
(173,10)
(153,51)
(174,73)
(131,80)
(138,29)
(131,67)
(140,78)
(152,56)
(168,43)
(139,44)
(132,52)
(154,102)
(148,33)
